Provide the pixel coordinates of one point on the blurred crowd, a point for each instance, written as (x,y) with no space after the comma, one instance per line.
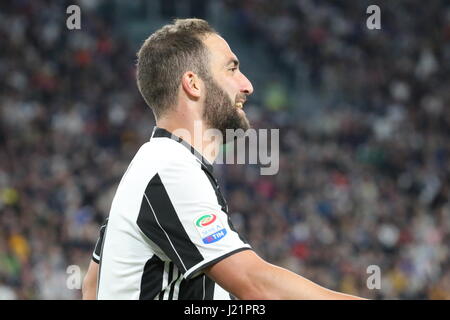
(364,182)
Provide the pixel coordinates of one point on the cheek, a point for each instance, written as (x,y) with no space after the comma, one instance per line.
(230,86)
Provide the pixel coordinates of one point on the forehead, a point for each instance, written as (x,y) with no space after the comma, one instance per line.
(219,49)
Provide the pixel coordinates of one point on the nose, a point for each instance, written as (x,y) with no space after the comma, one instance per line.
(246,86)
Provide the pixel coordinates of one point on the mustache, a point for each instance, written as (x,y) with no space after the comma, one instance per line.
(241,97)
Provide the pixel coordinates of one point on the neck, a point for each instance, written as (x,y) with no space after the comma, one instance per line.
(197,134)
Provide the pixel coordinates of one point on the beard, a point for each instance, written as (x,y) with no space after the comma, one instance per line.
(220,112)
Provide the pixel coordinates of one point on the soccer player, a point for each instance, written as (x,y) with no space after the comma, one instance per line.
(169,235)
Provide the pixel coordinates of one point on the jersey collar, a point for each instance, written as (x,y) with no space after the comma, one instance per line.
(163,133)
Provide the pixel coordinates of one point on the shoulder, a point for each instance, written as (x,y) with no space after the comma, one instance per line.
(165,153)
(161,156)
(172,163)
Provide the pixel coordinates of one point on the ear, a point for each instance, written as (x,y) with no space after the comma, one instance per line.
(191,84)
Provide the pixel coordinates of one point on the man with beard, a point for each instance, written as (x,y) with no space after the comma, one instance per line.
(169,235)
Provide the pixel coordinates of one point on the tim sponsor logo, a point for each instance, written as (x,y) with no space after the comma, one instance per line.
(215,236)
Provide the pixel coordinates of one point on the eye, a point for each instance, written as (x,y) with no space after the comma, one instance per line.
(233,69)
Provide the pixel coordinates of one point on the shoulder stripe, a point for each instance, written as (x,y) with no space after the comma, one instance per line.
(167,236)
(159,221)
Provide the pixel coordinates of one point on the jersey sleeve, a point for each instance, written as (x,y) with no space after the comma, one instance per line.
(180,213)
(98,246)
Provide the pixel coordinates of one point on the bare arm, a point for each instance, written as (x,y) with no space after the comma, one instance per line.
(89,289)
(249,277)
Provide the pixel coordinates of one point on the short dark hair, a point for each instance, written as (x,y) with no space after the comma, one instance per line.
(166,55)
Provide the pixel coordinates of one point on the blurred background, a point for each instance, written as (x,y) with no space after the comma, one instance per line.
(364,119)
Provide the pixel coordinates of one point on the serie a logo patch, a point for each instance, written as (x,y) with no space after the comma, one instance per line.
(210,228)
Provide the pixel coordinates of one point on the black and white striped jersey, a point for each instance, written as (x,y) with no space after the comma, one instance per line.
(168,221)
(98,245)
